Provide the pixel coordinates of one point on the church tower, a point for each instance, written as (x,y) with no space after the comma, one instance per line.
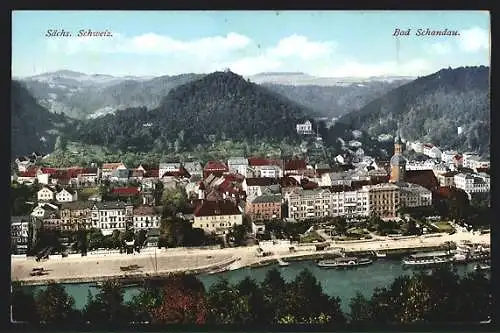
(398,162)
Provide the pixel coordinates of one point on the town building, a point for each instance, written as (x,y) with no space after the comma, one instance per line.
(217,216)
(413,195)
(447,179)
(295,166)
(76,215)
(109,216)
(108,169)
(383,199)
(305,128)
(194,168)
(255,187)
(45,194)
(472,183)
(263,167)
(398,162)
(20,234)
(238,165)
(309,204)
(215,168)
(264,207)
(168,167)
(146,217)
(66,195)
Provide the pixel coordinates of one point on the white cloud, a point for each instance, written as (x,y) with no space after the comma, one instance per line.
(149,44)
(474,39)
(439,48)
(301,47)
(292,53)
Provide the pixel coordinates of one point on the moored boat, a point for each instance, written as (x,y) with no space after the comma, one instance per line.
(344,262)
(428,259)
(380,254)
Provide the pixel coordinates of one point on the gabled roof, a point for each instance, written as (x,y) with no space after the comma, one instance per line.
(216,208)
(288,181)
(263,181)
(215,165)
(111,166)
(296,164)
(69,190)
(182,173)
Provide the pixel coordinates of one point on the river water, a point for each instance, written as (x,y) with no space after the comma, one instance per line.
(343,283)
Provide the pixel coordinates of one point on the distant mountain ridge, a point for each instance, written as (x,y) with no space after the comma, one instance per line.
(431,109)
(80,96)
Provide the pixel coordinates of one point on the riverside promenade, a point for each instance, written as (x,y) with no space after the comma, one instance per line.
(98,268)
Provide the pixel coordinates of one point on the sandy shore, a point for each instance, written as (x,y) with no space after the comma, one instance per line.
(92,268)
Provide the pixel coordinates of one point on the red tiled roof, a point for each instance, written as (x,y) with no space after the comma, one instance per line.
(295,165)
(263,181)
(215,166)
(216,208)
(31,172)
(61,175)
(50,171)
(258,161)
(152,173)
(308,185)
(425,178)
(111,166)
(288,181)
(128,191)
(458,157)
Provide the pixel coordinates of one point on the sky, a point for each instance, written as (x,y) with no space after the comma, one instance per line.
(319,43)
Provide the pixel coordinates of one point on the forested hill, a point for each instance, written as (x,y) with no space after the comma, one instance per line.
(430,109)
(33,128)
(219,106)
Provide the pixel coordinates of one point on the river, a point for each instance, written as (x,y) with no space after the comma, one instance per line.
(335,282)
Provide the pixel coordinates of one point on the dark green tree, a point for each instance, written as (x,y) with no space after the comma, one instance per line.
(54,305)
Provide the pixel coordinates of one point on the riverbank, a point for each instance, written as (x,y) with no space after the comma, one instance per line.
(198,261)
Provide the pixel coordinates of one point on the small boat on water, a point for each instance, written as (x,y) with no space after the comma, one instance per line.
(282,263)
(344,262)
(379,254)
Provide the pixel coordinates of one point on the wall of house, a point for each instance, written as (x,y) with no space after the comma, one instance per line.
(212,223)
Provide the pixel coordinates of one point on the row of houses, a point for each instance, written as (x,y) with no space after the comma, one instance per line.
(247,167)
(106,216)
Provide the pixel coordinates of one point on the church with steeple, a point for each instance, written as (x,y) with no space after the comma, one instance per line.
(398,162)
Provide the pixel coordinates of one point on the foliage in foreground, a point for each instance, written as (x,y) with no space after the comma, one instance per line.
(442,296)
